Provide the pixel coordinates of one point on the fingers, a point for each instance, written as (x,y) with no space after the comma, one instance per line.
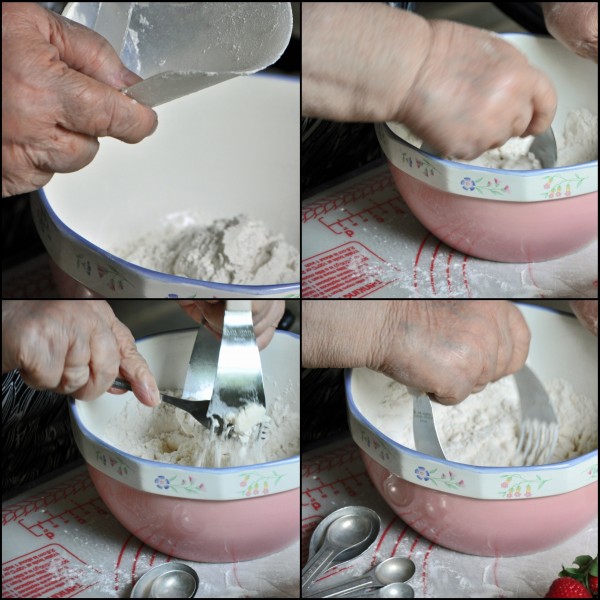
(88,92)
(92,108)
(95,374)
(544,103)
(68,152)
(587,313)
(88,52)
(266,315)
(134,368)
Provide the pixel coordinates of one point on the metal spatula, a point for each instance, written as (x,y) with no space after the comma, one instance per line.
(238,391)
(424,431)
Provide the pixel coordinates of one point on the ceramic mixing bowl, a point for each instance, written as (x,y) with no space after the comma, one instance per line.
(488,511)
(228,150)
(506,215)
(201,514)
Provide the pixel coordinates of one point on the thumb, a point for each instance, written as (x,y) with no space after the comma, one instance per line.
(89,96)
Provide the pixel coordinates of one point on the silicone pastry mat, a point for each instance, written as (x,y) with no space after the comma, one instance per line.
(360,239)
(59,540)
(334,476)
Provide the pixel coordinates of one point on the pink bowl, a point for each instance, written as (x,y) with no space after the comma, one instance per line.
(203,514)
(485,527)
(503,214)
(482,510)
(502,231)
(228,530)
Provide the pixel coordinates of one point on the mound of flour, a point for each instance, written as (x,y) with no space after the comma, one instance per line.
(578,144)
(484,429)
(167,434)
(236,250)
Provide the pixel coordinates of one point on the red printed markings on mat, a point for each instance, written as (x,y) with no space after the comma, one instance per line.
(48,572)
(347,271)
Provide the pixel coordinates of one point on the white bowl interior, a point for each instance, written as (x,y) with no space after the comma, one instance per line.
(168,357)
(230,149)
(560,348)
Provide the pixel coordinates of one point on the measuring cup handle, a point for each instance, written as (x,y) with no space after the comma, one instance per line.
(316,565)
(343,589)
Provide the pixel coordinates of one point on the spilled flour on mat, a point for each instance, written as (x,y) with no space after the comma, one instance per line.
(235,250)
(484,429)
(167,434)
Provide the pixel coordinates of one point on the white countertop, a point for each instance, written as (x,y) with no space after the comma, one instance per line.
(334,476)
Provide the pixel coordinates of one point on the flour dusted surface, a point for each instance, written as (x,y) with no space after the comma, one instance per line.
(234,250)
(484,429)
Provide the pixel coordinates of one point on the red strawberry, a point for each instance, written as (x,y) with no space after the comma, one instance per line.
(586,572)
(567,587)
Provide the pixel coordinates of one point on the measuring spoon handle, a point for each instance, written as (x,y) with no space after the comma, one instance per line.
(317,564)
(345,588)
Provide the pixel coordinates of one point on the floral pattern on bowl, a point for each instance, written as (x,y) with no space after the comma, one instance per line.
(481,182)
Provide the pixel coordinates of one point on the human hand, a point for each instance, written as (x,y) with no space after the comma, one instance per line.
(60,92)
(449,349)
(266,315)
(74,347)
(575,25)
(587,313)
(474,91)
(461,89)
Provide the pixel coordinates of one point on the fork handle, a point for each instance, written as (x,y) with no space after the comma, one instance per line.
(122,384)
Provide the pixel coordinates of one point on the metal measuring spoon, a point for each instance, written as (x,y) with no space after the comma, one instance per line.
(392,570)
(319,533)
(351,532)
(543,148)
(392,590)
(170,580)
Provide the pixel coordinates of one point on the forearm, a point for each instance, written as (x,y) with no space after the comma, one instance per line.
(341,333)
(359,60)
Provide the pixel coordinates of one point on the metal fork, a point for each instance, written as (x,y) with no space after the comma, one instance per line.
(197,408)
(539,425)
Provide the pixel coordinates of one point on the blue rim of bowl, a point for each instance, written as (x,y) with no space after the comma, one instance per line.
(157,464)
(528,172)
(283,288)
(474,468)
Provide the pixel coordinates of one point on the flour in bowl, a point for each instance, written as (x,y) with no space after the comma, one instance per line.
(484,429)
(234,250)
(167,434)
(578,144)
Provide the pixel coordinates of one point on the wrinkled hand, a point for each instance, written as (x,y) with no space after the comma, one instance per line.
(474,91)
(461,89)
(72,347)
(60,83)
(446,348)
(587,313)
(266,315)
(574,24)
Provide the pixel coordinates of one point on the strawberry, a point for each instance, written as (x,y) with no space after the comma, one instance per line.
(585,573)
(567,587)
